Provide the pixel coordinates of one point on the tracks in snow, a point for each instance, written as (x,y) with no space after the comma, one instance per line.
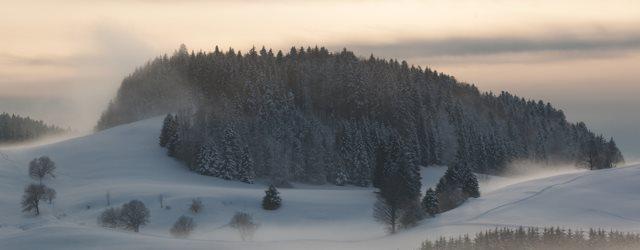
(537,193)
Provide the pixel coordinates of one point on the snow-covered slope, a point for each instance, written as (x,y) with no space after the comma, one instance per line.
(126,162)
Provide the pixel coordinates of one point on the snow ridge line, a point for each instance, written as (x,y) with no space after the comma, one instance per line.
(529,197)
(589,173)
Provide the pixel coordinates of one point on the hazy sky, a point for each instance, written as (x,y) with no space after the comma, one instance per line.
(62,61)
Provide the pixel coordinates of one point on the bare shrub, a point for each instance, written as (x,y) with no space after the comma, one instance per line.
(196,206)
(110,218)
(243,222)
(183,227)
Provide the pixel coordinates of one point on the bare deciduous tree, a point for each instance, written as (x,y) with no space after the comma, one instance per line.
(183,227)
(39,168)
(134,214)
(243,222)
(33,194)
(387,213)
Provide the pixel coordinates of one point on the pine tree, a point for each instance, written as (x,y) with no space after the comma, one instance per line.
(229,169)
(245,172)
(208,159)
(411,214)
(174,139)
(167,130)
(430,202)
(271,200)
(379,165)
(470,186)
(449,190)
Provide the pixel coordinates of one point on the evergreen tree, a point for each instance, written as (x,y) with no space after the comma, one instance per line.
(230,166)
(245,171)
(167,131)
(174,138)
(430,202)
(379,165)
(470,186)
(208,159)
(271,200)
(411,214)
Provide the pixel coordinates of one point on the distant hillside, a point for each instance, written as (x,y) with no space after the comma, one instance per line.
(14,128)
(316,116)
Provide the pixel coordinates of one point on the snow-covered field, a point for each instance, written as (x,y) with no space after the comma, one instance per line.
(127,162)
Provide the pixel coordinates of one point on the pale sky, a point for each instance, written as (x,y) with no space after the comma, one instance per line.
(62,61)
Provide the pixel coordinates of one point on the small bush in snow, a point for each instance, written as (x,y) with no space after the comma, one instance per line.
(110,218)
(196,206)
(271,200)
(183,227)
(243,222)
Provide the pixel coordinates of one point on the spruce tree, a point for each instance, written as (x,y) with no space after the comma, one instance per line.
(430,202)
(167,130)
(470,186)
(230,151)
(245,172)
(271,200)
(380,156)
(208,159)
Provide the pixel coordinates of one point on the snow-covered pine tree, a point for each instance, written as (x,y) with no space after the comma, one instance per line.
(430,202)
(208,160)
(230,165)
(410,176)
(449,190)
(360,174)
(174,142)
(271,200)
(245,172)
(341,177)
(380,155)
(167,130)
(314,156)
(470,186)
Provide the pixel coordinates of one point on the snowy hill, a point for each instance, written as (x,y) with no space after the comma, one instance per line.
(127,162)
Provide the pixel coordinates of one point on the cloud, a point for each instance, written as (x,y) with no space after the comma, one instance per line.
(12,59)
(72,90)
(550,46)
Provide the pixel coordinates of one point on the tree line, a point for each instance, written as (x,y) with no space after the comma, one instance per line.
(314,116)
(15,128)
(538,238)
